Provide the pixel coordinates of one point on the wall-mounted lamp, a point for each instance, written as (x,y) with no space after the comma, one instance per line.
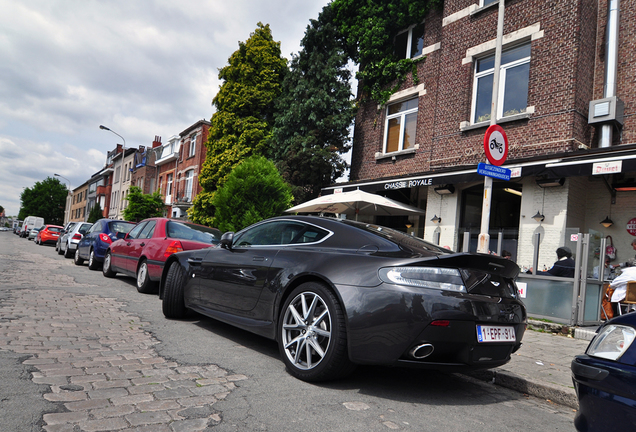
(436,219)
(513,191)
(550,182)
(607,222)
(445,189)
(538,217)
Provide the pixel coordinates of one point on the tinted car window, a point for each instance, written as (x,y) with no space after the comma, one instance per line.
(148,230)
(84,228)
(280,233)
(134,233)
(194,232)
(398,237)
(120,229)
(54,229)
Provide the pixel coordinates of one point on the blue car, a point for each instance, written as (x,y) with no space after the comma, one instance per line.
(95,243)
(605,378)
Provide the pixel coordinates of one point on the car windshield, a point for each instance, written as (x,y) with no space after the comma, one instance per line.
(55,229)
(188,231)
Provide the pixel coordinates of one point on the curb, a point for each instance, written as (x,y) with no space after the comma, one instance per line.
(547,391)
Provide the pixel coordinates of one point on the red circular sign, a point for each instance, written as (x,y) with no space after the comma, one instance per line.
(631,227)
(496,145)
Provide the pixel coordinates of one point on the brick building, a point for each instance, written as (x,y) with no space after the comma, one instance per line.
(572,164)
(178,164)
(78,203)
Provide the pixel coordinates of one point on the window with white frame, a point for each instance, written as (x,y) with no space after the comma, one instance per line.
(169,189)
(487,2)
(514,78)
(193,145)
(401,122)
(189,182)
(410,43)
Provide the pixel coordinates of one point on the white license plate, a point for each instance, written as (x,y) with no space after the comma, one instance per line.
(495,334)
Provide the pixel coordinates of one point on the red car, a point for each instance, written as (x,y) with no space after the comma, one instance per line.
(48,234)
(144,250)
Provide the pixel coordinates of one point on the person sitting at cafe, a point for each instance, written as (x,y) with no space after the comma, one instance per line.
(564,266)
(619,284)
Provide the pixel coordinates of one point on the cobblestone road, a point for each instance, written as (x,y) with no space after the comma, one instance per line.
(99,363)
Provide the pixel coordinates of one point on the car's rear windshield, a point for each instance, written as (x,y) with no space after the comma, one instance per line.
(118,227)
(188,231)
(404,240)
(55,229)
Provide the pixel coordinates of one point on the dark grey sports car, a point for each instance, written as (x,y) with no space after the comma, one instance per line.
(336,293)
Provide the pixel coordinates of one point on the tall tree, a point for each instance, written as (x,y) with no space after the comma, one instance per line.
(46,199)
(314,112)
(95,214)
(242,123)
(254,191)
(142,206)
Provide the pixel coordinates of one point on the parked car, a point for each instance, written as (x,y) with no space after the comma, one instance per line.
(29,223)
(334,293)
(605,378)
(144,250)
(32,233)
(69,240)
(69,226)
(48,234)
(95,243)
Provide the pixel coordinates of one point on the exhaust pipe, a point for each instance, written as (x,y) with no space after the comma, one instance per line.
(421,351)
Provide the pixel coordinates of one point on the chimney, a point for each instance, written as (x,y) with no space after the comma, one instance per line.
(157,142)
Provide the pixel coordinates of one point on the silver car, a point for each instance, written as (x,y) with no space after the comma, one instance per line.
(33,233)
(68,242)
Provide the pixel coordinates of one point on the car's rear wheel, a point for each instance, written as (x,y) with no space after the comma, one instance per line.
(77,259)
(312,336)
(92,262)
(67,252)
(106,269)
(144,284)
(173,303)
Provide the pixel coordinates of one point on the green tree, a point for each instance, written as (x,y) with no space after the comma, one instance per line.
(95,214)
(314,112)
(254,191)
(242,123)
(367,32)
(46,199)
(142,206)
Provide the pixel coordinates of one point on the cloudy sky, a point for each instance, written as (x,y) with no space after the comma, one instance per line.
(142,68)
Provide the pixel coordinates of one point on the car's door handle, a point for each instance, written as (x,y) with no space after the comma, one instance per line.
(142,244)
(128,244)
(258,258)
(195,261)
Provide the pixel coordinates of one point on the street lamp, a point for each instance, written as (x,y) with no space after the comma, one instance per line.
(121,171)
(67,207)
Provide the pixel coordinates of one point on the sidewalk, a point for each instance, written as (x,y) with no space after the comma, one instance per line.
(541,367)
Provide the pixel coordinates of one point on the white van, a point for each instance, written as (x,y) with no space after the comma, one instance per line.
(29,223)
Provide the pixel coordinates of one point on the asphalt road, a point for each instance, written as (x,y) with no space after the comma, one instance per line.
(266,398)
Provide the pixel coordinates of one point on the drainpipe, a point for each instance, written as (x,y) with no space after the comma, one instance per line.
(611,65)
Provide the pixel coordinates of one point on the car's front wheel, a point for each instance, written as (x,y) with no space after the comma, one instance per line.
(144,284)
(173,302)
(77,259)
(312,336)
(92,262)
(106,269)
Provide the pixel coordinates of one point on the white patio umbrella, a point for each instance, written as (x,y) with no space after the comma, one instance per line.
(356,203)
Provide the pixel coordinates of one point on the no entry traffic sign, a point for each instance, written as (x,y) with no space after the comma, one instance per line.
(496,145)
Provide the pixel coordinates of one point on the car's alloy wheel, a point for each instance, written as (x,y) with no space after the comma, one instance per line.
(144,284)
(92,262)
(77,259)
(67,252)
(173,302)
(106,269)
(312,334)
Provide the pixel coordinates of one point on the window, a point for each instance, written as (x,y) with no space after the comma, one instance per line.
(148,230)
(401,122)
(136,231)
(280,233)
(513,84)
(117,174)
(193,145)
(169,189)
(410,43)
(189,176)
(487,2)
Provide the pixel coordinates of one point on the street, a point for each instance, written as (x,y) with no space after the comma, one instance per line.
(79,351)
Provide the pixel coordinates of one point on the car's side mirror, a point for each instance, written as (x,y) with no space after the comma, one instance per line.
(227,239)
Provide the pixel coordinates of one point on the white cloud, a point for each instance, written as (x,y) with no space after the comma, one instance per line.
(142,68)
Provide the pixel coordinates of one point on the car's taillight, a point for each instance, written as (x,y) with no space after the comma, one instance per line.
(77,236)
(174,247)
(104,237)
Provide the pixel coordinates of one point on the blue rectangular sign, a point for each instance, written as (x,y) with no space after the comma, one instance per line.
(493,171)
